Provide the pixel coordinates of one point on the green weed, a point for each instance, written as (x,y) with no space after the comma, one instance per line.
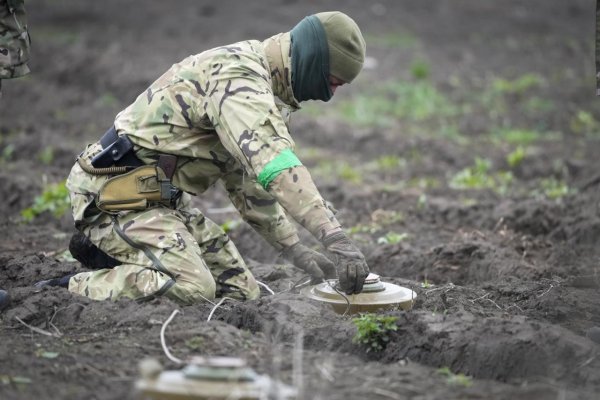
(584,123)
(419,69)
(474,177)
(427,182)
(553,188)
(54,199)
(46,155)
(516,157)
(107,100)
(519,85)
(422,201)
(348,173)
(390,162)
(478,176)
(494,98)
(426,284)
(231,225)
(415,101)
(374,330)
(341,170)
(455,379)
(392,238)
(7,153)
(357,229)
(536,105)
(195,343)
(517,136)
(418,101)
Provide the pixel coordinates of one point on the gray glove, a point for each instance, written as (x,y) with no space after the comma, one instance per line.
(351,266)
(312,262)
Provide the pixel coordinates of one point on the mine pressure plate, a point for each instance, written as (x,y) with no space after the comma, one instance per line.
(208,378)
(376,295)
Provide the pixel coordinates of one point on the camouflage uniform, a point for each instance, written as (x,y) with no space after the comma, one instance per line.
(14,40)
(597,47)
(223,114)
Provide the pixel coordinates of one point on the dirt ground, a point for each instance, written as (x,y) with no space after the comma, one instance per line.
(507,280)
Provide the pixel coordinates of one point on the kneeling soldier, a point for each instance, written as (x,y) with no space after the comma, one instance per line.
(217,115)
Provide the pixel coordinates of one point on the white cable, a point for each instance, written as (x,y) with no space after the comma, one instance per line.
(217,306)
(162,338)
(266,287)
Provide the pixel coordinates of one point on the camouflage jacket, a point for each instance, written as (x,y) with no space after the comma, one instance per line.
(223,112)
(14,39)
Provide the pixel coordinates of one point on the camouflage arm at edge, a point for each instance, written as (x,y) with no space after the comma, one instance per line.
(260,210)
(297,193)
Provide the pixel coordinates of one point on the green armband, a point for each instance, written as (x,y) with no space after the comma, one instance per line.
(284,160)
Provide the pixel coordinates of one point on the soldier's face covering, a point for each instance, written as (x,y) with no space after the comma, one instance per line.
(310,61)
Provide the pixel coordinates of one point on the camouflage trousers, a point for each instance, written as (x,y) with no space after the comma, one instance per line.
(178,253)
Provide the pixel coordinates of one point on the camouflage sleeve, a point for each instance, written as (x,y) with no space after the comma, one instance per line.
(244,114)
(242,110)
(597,47)
(297,193)
(260,210)
(14,39)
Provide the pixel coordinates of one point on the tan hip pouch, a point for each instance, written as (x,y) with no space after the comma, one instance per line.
(134,190)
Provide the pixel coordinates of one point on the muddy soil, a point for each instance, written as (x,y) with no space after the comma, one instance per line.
(507,282)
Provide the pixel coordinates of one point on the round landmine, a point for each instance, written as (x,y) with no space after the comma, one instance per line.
(375,296)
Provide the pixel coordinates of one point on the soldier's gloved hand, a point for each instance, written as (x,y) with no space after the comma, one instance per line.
(351,266)
(312,262)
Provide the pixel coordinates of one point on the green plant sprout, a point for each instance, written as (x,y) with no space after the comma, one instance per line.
(516,157)
(413,101)
(455,379)
(390,162)
(419,69)
(195,343)
(519,85)
(341,170)
(554,189)
(478,177)
(374,330)
(7,152)
(46,155)
(54,199)
(393,238)
(422,201)
(231,225)
(517,136)
(584,123)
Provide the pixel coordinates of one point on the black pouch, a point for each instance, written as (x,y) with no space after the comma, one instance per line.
(113,153)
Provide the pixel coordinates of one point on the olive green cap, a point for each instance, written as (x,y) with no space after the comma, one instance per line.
(346,45)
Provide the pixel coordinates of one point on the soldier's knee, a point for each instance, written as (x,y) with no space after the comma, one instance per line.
(193,292)
(253,294)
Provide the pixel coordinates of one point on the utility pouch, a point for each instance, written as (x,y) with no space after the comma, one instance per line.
(135,190)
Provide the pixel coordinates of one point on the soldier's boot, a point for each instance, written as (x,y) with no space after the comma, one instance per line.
(62,282)
(4,299)
(90,256)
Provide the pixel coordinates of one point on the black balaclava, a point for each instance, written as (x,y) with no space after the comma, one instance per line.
(310,61)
